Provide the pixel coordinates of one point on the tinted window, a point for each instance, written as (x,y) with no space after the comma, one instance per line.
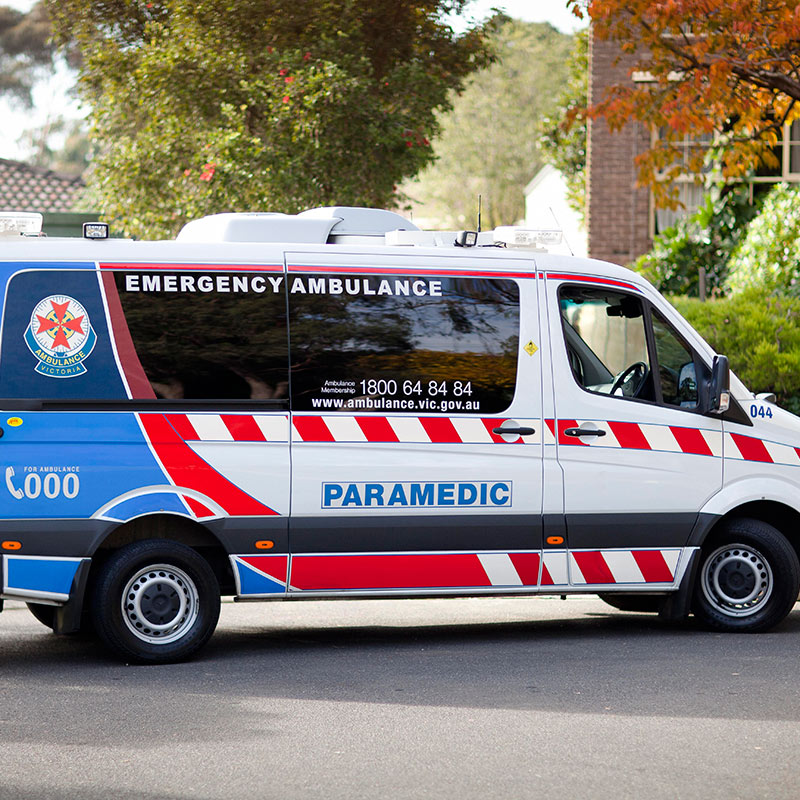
(399,343)
(675,365)
(201,335)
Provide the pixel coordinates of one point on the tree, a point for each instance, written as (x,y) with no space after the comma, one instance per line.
(279,105)
(726,69)
(26,52)
(488,142)
(562,133)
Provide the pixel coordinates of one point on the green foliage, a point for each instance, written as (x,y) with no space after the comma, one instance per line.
(488,140)
(769,253)
(200,107)
(759,331)
(706,238)
(562,133)
(26,53)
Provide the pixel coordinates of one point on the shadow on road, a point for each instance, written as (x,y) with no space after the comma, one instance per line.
(593,663)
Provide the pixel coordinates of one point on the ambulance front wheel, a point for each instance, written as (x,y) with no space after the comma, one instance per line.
(748,579)
(155,602)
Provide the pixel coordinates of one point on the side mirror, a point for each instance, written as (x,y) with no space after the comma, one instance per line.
(719,396)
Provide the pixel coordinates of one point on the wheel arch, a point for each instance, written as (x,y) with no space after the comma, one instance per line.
(780,516)
(171,527)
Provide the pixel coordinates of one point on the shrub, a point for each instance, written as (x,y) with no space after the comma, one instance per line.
(759,331)
(768,254)
(706,238)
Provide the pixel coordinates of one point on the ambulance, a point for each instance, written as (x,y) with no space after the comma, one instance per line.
(337,404)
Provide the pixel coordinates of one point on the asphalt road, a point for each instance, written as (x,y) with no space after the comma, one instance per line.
(454,698)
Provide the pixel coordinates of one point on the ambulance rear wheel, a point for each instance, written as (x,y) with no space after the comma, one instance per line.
(155,602)
(748,579)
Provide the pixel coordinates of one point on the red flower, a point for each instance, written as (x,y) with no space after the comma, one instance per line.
(306,56)
(187,173)
(289,79)
(409,143)
(286,98)
(282,71)
(208,172)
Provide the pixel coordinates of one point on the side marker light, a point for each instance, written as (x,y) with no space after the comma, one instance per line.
(265,544)
(555,540)
(11,545)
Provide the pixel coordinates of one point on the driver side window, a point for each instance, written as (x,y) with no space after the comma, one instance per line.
(606,341)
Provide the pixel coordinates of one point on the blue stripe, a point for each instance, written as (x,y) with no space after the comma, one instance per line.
(40,574)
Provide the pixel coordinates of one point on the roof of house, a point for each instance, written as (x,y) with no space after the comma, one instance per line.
(27,188)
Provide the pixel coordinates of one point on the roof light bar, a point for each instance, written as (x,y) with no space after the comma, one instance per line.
(20,223)
(512,236)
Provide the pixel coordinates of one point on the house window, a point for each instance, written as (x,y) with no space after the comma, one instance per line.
(690,186)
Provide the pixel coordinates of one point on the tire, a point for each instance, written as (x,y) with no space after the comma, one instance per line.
(155,602)
(748,579)
(644,603)
(45,614)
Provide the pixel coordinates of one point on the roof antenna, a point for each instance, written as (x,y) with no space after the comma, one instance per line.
(558,225)
(479,213)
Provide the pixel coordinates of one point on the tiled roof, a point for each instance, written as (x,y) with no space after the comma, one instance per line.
(27,188)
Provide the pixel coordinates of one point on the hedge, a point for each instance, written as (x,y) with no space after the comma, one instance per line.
(759,331)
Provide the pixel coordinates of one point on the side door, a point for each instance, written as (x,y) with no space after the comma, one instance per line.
(153,396)
(416,425)
(638,457)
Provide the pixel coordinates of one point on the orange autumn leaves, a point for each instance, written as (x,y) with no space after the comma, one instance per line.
(727,71)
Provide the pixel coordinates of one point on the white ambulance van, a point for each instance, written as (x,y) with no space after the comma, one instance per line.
(336,404)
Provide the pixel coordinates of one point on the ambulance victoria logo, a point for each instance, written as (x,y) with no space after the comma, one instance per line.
(60,336)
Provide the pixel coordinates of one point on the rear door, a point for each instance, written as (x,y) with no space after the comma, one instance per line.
(638,458)
(416,425)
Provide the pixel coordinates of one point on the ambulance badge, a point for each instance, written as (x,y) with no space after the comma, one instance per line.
(60,336)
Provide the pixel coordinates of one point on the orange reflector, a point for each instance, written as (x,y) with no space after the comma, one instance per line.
(555,540)
(9,545)
(265,544)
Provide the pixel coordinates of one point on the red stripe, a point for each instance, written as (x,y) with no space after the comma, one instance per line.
(751,449)
(440,430)
(690,440)
(629,435)
(274,566)
(377,429)
(387,571)
(416,273)
(198,509)
(561,276)
(547,578)
(527,567)
(183,427)
(593,567)
(312,429)
(189,471)
(490,425)
(243,428)
(198,267)
(138,383)
(653,566)
(551,423)
(563,424)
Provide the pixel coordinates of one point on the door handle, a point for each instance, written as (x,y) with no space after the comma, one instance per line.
(520,431)
(584,432)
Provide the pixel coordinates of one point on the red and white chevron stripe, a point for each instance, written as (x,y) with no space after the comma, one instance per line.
(438,430)
(231,427)
(640,436)
(377,571)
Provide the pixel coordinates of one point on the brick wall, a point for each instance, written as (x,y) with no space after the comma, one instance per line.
(618,212)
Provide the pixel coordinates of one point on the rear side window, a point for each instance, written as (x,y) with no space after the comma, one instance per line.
(377,343)
(201,335)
